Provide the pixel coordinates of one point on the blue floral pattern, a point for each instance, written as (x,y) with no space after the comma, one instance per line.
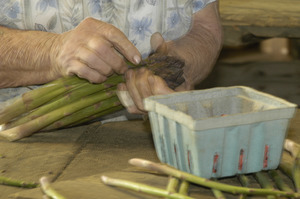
(141,27)
(44,4)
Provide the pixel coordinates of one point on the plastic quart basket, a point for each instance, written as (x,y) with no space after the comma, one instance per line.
(219,132)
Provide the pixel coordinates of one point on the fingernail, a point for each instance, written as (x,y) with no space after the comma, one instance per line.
(137,59)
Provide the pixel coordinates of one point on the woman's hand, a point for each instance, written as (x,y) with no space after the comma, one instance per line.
(94,50)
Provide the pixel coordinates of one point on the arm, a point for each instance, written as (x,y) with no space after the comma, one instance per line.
(92,51)
(199,48)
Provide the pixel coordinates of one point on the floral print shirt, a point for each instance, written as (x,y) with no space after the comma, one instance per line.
(137,19)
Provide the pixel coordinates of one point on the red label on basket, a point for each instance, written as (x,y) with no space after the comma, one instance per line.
(241,159)
(266,156)
(216,157)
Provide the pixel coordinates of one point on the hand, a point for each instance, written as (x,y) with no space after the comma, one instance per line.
(142,83)
(94,50)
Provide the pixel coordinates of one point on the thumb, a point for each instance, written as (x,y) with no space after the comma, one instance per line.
(158,43)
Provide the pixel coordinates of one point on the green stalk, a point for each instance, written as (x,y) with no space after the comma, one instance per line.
(244,180)
(84,113)
(83,90)
(17,183)
(172,185)
(217,193)
(97,115)
(142,188)
(296,172)
(37,124)
(264,182)
(48,190)
(184,187)
(34,98)
(278,181)
(208,183)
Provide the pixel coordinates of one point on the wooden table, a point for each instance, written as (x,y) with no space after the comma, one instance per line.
(76,158)
(249,21)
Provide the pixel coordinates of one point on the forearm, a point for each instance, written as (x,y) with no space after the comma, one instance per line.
(25,57)
(201,46)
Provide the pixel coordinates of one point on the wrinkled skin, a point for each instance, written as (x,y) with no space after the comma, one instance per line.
(93,50)
(199,49)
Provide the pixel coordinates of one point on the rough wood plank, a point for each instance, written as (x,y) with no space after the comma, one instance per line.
(268,13)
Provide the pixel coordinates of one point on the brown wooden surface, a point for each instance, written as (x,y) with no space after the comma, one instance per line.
(248,21)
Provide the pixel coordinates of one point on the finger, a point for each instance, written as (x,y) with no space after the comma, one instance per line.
(130,77)
(122,44)
(158,86)
(81,70)
(108,54)
(93,61)
(142,83)
(158,43)
(126,99)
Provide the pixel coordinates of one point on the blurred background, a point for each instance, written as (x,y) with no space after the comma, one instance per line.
(261,47)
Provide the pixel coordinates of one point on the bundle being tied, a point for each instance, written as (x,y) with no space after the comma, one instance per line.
(70,101)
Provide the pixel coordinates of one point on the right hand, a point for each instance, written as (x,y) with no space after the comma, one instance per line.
(94,50)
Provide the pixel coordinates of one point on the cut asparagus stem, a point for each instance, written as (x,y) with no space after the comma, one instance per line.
(217,193)
(278,181)
(48,190)
(172,185)
(17,183)
(37,97)
(142,188)
(205,182)
(84,89)
(184,188)
(37,124)
(84,113)
(264,182)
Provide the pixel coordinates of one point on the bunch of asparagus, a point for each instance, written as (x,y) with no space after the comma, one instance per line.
(71,101)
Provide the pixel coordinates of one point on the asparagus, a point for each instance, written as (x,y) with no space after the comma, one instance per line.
(48,190)
(264,182)
(17,183)
(83,90)
(244,180)
(142,188)
(37,124)
(217,193)
(184,188)
(172,185)
(278,181)
(208,183)
(97,115)
(85,112)
(37,97)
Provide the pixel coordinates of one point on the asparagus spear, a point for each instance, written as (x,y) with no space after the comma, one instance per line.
(278,181)
(207,183)
(48,190)
(264,182)
(83,90)
(37,124)
(172,185)
(85,113)
(244,180)
(17,183)
(37,97)
(184,188)
(217,193)
(142,188)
